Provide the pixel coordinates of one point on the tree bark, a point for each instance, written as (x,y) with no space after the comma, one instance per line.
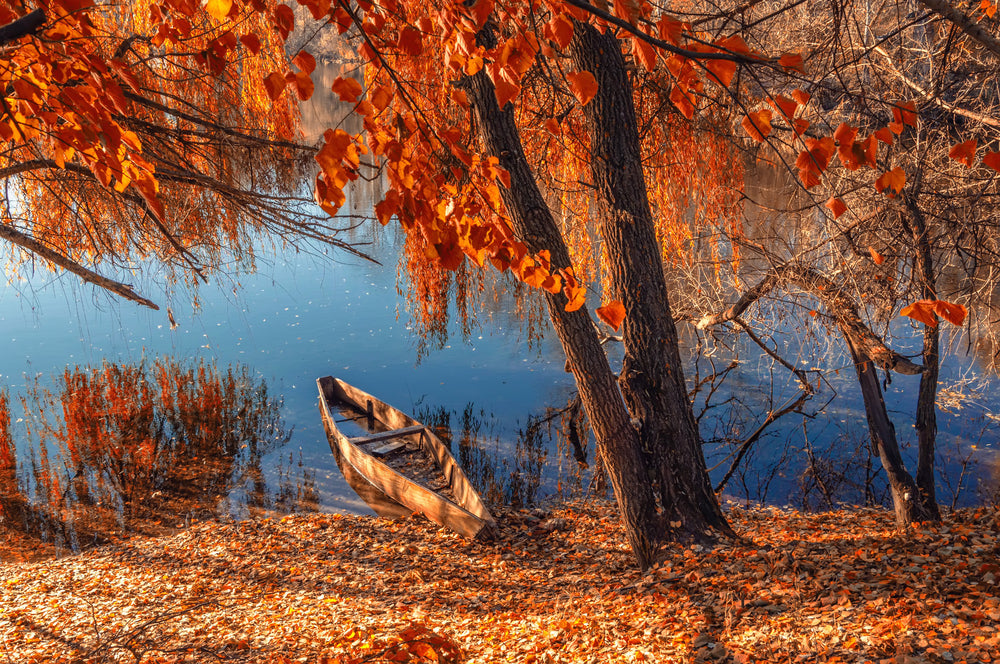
(906,504)
(617,441)
(964,22)
(652,377)
(926,416)
(26,25)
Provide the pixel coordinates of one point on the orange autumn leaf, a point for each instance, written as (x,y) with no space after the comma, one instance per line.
(559,30)
(964,153)
(304,86)
(784,105)
(612,313)
(734,44)
(837,206)
(670,29)
(992,160)
(903,114)
(583,85)
(683,101)
(921,311)
(505,91)
(348,89)
(792,62)
(410,41)
(723,70)
(884,135)
(758,124)
(892,182)
(876,256)
(644,54)
(380,97)
(218,9)
(801,96)
(574,292)
(252,43)
(950,311)
(275,85)
(908,113)
(305,61)
(814,160)
(925,311)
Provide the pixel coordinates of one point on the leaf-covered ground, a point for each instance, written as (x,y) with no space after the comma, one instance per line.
(558,587)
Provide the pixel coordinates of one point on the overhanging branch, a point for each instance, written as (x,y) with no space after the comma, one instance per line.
(838,304)
(26,25)
(34,246)
(965,23)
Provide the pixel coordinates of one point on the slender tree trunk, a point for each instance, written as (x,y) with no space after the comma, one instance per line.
(867,352)
(905,499)
(618,442)
(926,417)
(652,378)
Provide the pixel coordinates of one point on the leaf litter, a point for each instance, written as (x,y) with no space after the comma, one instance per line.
(557,586)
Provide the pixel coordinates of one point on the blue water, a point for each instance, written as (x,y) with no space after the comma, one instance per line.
(301,316)
(304,315)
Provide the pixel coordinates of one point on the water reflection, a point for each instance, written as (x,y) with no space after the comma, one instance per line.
(136,448)
(524,474)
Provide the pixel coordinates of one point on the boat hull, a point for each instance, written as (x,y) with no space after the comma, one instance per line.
(390,492)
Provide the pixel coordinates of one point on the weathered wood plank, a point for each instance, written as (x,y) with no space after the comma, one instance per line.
(387,435)
(388,449)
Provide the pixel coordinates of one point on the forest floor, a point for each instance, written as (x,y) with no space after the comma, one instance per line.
(558,586)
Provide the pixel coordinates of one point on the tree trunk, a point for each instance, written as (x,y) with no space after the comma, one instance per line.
(905,498)
(926,417)
(617,441)
(652,378)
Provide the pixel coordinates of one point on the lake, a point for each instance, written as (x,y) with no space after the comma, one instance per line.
(309,314)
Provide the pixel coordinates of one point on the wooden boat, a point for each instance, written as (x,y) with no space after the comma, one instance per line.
(398,466)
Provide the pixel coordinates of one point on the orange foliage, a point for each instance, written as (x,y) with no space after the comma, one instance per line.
(122,431)
(110,136)
(927,311)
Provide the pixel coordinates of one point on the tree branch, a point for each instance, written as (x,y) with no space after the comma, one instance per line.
(965,23)
(34,246)
(839,305)
(26,25)
(933,98)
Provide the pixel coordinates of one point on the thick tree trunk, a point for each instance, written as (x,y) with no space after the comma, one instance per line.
(652,378)
(618,442)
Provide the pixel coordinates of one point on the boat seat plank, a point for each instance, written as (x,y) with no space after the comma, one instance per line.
(388,449)
(387,435)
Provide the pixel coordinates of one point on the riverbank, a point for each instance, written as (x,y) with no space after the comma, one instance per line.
(557,587)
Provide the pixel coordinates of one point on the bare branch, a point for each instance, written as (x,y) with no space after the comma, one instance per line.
(39,249)
(839,306)
(965,23)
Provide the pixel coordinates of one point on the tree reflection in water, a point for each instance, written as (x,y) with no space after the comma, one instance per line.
(517,478)
(142,449)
